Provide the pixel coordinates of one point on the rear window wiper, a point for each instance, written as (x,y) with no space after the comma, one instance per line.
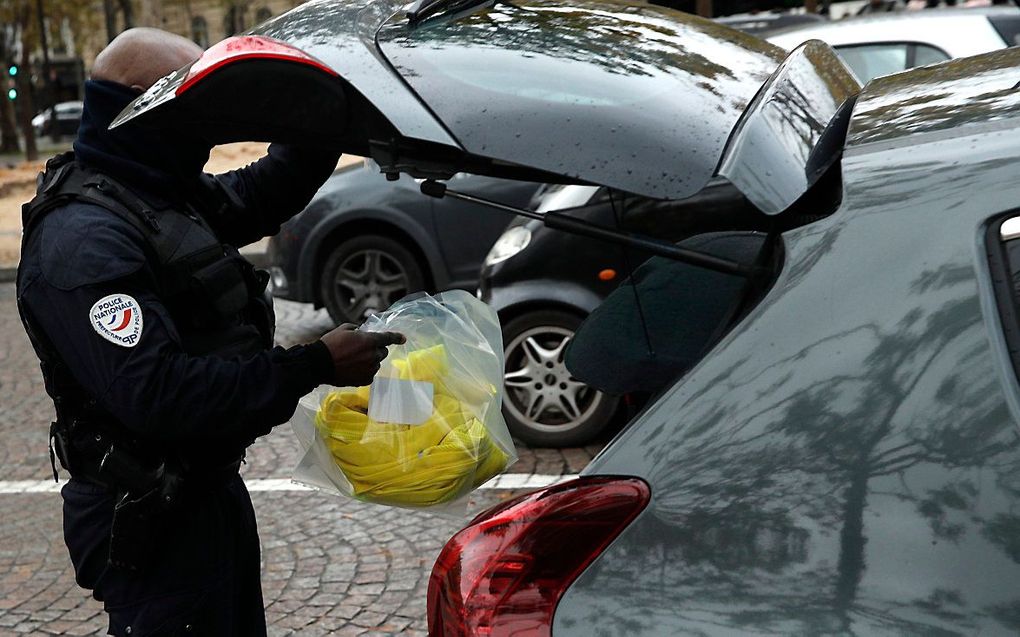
(422,10)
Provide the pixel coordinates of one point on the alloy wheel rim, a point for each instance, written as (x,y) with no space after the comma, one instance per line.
(368,282)
(540,391)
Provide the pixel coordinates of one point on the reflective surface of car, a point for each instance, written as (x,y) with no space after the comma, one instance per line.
(846,459)
(364,242)
(765,21)
(892,42)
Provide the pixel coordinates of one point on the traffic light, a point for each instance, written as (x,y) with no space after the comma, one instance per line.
(12,70)
(12,94)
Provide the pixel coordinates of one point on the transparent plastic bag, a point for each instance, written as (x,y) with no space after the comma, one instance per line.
(429,429)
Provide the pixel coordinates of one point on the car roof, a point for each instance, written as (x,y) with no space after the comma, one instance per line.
(940,13)
(759,23)
(958,32)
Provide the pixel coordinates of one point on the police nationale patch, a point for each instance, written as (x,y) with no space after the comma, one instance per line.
(118,319)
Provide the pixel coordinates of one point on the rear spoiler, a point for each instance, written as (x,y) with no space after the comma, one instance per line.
(793,130)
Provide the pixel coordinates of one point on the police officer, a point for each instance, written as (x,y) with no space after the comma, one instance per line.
(156,347)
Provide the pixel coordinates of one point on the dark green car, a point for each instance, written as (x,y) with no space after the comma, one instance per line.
(831,446)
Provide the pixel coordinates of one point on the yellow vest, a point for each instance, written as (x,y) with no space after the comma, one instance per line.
(437,461)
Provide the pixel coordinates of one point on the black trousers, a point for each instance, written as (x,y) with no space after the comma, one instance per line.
(202,576)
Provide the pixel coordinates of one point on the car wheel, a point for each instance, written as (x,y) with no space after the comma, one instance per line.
(366,275)
(544,405)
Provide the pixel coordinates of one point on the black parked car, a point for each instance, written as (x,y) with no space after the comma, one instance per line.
(364,242)
(543,283)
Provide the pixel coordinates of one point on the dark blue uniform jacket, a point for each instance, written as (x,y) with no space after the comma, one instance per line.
(82,253)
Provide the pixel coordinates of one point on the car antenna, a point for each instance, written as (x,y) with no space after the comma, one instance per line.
(573,225)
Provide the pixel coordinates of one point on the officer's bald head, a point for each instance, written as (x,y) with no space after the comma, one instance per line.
(139,57)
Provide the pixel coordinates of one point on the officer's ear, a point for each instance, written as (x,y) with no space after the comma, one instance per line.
(140,89)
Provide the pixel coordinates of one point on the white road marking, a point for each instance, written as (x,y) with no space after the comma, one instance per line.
(507,481)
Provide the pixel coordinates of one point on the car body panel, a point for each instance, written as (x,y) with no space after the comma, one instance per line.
(354,197)
(338,35)
(342,35)
(248,88)
(847,459)
(451,238)
(945,98)
(636,97)
(956,32)
(535,294)
(524,89)
(791,132)
(763,22)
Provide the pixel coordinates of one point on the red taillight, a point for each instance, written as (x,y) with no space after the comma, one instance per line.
(246,47)
(505,572)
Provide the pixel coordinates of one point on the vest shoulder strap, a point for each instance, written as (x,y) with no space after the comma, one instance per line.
(66,181)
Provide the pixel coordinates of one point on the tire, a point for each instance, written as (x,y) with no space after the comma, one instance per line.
(536,405)
(366,275)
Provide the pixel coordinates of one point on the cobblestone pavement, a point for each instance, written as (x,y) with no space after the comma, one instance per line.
(330,565)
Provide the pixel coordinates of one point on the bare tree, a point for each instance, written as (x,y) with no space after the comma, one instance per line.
(110,15)
(111,9)
(22,20)
(20,37)
(9,142)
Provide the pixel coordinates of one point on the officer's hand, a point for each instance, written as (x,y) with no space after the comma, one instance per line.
(356,355)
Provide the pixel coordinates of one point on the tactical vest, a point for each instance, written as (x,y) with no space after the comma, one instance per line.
(217,300)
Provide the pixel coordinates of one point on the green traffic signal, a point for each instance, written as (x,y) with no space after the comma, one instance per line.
(12,94)
(12,70)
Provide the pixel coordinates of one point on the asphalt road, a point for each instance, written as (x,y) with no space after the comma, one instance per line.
(329,565)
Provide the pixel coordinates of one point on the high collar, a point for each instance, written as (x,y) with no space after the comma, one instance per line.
(163,162)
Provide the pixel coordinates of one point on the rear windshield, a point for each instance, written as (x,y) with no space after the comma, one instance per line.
(635,97)
(666,316)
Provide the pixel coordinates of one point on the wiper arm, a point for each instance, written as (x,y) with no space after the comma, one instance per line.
(573,225)
(422,10)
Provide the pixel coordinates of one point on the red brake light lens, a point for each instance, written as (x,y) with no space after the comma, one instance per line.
(505,572)
(247,47)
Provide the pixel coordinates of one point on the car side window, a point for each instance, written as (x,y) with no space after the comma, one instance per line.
(924,55)
(869,61)
(1008,28)
(1003,245)
(873,60)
